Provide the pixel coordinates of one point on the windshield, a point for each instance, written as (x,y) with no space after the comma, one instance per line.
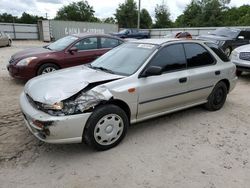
(226,32)
(125,59)
(62,43)
(125,31)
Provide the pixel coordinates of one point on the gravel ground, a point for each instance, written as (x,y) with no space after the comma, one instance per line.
(192,148)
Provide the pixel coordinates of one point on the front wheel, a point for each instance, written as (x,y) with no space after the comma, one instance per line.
(228,51)
(217,98)
(47,68)
(106,127)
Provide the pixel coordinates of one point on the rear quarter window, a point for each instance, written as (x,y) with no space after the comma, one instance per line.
(218,51)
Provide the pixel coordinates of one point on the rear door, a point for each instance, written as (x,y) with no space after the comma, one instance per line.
(107,44)
(158,94)
(87,52)
(202,70)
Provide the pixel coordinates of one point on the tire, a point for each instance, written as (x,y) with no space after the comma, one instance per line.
(46,68)
(217,98)
(106,127)
(238,73)
(228,51)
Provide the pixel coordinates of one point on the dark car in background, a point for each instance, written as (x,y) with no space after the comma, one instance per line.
(132,33)
(72,50)
(5,39)
(228,38)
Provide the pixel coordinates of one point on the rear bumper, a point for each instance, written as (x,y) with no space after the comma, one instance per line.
(57,129)
(23,73)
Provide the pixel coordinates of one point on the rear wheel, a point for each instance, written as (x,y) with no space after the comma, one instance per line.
(47,68)
(106,127)
(217,98)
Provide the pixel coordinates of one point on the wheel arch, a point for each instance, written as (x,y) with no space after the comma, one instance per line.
(123,105)
(47,62)
(226,81)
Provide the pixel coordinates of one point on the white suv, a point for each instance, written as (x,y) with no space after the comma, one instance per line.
(134,82)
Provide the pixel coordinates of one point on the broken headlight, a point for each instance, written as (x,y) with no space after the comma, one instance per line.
(86,100)
(56,106)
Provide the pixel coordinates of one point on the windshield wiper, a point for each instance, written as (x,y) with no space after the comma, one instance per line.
(102,69)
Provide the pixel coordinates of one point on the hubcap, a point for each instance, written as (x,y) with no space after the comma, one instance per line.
(48,69)
(108,129)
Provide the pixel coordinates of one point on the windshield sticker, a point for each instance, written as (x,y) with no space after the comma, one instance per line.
(147,46)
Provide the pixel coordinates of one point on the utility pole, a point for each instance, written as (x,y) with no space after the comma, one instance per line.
(139,15)
(46,15)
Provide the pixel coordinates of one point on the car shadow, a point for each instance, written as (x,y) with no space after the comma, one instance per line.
(168,122)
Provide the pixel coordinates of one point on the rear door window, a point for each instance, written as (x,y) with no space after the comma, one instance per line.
(197,56)
(109,42)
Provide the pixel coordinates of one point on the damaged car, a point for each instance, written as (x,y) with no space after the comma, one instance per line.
(136,81)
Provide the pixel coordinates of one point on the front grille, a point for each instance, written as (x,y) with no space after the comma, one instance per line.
(245,56)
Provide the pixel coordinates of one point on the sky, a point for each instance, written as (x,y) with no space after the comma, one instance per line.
(103,8)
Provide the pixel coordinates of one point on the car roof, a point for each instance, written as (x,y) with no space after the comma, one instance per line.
(83,35)
(158,41)
(162,41)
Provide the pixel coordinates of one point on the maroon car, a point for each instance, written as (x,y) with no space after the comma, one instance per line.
(66,52)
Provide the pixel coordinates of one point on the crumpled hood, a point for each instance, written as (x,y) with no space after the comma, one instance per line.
(57,86)
(30,52)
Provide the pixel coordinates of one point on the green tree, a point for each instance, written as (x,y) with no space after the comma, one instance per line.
(162,17)
(7,18)
(77,11)
(145,19)
(237,16)
(29,19)
(203,13)
(190,16)
(110,20)
(126,14)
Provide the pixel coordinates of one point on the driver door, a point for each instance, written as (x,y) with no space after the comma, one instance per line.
(161,93)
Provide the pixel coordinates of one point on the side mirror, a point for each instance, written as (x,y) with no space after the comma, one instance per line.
(152,71)
(73,49)
(241,37)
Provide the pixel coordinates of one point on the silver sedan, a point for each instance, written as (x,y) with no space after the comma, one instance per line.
(5,39)
(134,82)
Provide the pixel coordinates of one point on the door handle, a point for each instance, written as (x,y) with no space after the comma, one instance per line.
(217,72)
(183,80)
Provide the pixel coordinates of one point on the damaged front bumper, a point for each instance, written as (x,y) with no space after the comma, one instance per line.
(53,129)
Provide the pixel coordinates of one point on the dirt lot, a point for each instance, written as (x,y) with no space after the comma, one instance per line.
(193,148)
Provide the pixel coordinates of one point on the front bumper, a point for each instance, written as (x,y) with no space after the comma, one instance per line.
(242,65)
(23,73)
(58,129)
